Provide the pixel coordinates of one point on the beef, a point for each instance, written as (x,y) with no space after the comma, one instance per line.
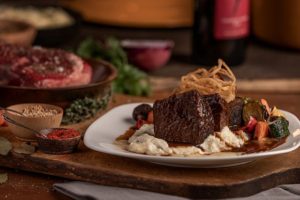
(183,118)
(236,113)
(40,67)
(219,108)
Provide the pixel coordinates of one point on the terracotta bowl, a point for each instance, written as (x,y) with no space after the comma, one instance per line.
(17,32)
(36,123)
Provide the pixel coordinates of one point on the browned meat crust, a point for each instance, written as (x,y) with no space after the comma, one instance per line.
(236,113)
(183,118)
(219,108)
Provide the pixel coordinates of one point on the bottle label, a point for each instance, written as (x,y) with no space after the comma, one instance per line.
(231,19)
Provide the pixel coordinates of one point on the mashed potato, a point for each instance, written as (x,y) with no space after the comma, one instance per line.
(144,142)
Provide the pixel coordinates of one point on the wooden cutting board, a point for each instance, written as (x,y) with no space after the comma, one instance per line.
(91,166)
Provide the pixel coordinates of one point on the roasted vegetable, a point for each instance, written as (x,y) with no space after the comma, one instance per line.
(266,105)
(252,109)
(249,128)
(266,109)
(261,130)
(279,127)
(150,118)
(139,123)
(275,112)
(141,112)
(2,121)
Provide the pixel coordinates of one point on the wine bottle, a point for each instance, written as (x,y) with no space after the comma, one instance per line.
(220,30)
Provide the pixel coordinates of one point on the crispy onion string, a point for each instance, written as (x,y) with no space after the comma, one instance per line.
(219,79)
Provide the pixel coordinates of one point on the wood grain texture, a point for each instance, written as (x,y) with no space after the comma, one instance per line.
(105,169)
(29,186)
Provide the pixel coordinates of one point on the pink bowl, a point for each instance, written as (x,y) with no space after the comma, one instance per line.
(148,54)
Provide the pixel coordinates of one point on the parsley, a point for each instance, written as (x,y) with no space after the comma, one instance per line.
(130,80)
(82,109)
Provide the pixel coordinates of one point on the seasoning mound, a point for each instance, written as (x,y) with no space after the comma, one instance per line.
(38,111)
(61,134)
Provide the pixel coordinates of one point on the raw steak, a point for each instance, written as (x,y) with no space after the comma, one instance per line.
(43,68)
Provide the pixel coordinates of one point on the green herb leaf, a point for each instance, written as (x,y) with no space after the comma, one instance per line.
(24,148)
(130,80)
(3,178)
(82,109)
(5,146)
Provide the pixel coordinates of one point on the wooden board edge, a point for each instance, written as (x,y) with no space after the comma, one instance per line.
(248,188)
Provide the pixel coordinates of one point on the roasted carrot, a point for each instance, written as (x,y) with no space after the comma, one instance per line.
(265,103)
(261,130)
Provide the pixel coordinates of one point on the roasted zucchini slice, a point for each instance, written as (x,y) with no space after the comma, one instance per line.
(254,109)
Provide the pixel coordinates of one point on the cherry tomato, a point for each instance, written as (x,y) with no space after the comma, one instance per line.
(2,121)
(249,128)
(150,117)
(140,123)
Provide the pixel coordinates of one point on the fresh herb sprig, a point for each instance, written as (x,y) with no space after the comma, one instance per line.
(82,109)
(130,80)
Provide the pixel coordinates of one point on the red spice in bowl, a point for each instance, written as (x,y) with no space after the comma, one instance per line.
(58,140)
(61,134)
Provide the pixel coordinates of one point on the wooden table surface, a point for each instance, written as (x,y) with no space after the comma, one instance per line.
(25,185)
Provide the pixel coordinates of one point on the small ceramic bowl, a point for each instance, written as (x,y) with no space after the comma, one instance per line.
(17,32)
(36,123)
(148,54)
(56,146)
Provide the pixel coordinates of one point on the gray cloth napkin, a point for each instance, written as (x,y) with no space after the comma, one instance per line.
(88,191)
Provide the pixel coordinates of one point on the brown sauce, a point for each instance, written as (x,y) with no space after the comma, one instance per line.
(254,146)
(127,134)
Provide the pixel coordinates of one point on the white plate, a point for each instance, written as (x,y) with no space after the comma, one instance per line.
(102,133)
